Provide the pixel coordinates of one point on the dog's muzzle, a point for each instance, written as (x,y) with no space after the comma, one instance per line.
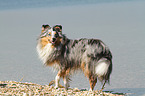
(53,40)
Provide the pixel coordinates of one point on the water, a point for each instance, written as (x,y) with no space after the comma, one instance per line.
(20,4)
(119,24)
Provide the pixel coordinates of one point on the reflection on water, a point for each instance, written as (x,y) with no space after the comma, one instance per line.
(128,91)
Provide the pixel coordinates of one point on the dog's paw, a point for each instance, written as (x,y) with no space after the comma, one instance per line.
(91,90)
(56,87)
(67,86)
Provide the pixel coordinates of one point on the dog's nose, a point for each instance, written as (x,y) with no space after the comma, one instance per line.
(53,39)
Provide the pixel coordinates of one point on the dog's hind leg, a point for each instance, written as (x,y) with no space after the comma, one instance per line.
(92,81)
(103,85)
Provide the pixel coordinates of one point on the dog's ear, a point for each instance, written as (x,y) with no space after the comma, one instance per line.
(58,28)
(44,27)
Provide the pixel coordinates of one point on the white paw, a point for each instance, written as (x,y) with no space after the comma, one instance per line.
(90,90)
(56,87)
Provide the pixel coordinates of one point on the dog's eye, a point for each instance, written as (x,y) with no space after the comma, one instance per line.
(49,34)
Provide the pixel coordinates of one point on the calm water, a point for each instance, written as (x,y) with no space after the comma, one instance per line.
(16,4)
(119,24)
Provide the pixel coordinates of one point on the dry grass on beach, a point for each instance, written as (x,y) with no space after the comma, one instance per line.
(31,89)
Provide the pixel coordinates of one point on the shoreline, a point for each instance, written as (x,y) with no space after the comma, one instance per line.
(29,89)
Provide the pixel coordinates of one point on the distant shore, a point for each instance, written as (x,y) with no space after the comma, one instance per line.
(29,89)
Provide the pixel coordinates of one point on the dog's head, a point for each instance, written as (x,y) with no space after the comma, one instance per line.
(51,35)
(56,34)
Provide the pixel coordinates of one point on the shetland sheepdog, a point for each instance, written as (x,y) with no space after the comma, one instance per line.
(91,56)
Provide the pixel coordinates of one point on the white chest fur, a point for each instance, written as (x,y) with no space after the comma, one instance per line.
(44,53)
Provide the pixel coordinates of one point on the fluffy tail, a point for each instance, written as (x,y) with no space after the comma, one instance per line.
(103,69)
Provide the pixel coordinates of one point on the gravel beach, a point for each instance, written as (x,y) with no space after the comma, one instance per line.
(28,89)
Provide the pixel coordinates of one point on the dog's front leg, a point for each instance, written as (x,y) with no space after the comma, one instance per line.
(66,81)
(57,79)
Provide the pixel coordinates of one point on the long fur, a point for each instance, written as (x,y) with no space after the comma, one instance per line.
(92,56)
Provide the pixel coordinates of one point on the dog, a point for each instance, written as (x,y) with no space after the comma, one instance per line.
(91,56)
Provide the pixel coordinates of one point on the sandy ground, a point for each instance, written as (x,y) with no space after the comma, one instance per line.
(29,89)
